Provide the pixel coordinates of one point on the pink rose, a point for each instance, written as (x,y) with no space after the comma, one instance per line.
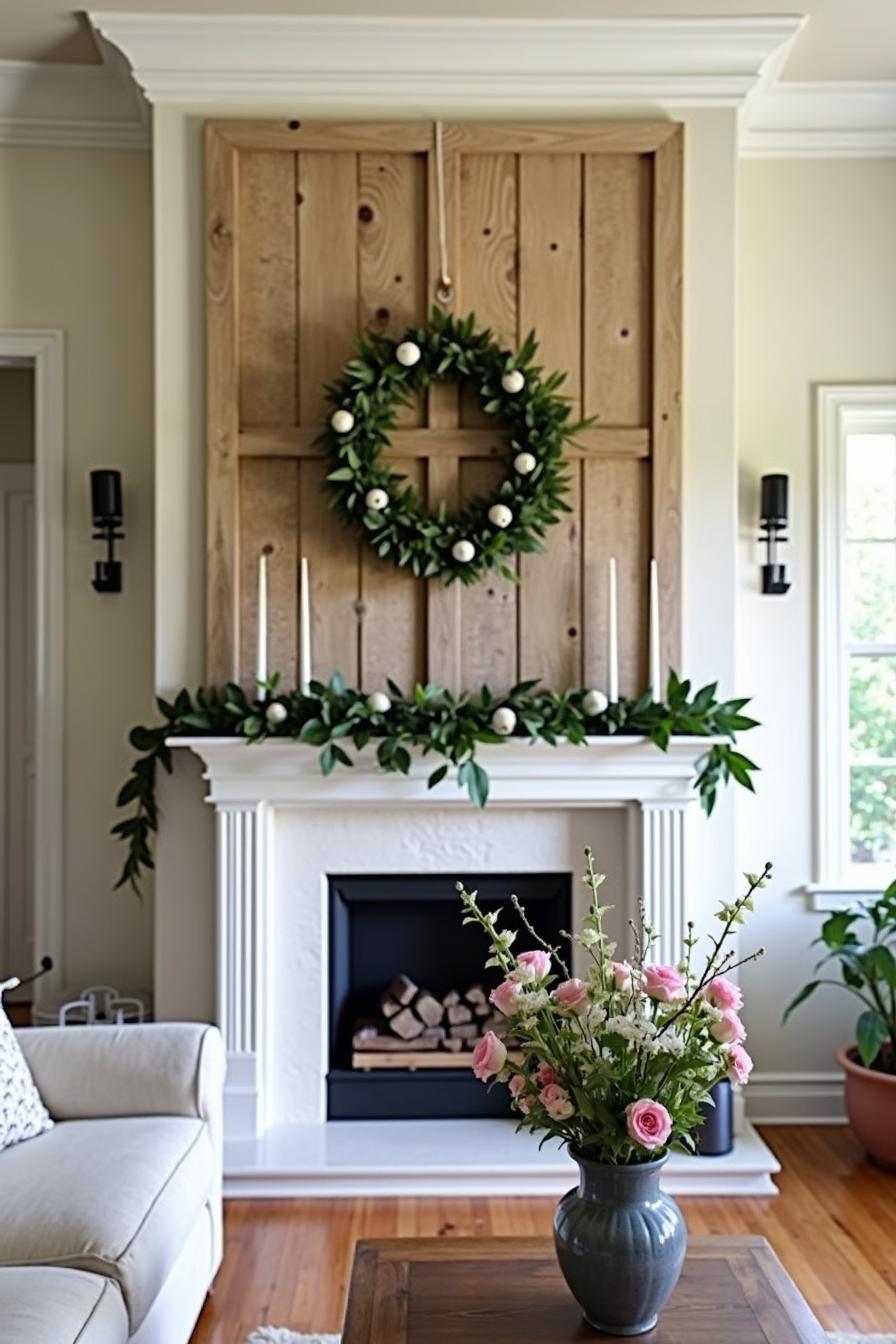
(622,974)
(545,1074)
(555,1100)
(489,1057)
(648,1123)
(740,1065)
(516,1085)
(525,1104)
(664,983)
(506,998)
(729,1030)
(724,993)
(533,966)
(572,995)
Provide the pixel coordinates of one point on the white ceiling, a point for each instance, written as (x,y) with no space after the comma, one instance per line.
(842,40)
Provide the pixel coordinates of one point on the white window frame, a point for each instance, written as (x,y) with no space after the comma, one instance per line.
(840,411)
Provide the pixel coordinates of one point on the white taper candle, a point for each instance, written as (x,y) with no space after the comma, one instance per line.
(261,656)
(612,634)
(656,678)
(305,622)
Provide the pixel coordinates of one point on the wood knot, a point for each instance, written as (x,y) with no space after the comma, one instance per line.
(219,232)
(365,213)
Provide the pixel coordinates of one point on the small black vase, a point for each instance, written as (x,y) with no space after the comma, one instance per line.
(715,1137)
(620,1244)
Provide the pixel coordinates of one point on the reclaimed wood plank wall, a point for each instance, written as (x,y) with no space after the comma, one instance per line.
(317,231)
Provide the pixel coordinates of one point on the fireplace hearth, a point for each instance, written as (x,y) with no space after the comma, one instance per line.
(406,931)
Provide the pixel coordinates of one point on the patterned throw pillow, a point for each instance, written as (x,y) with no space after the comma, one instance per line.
(22,1113)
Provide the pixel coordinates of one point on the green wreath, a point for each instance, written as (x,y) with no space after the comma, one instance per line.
(386,512)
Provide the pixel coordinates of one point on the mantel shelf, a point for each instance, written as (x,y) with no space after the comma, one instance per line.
(606,771)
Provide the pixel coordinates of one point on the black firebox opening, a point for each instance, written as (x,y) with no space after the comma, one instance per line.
(386,925)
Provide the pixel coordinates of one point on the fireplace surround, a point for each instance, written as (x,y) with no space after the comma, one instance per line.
(284,830)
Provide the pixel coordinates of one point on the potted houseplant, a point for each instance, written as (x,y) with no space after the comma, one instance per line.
(868,973)
(616,1063)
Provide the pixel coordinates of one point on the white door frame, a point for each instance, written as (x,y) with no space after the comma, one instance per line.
(47,349)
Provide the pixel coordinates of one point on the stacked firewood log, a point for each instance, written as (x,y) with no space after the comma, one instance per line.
(413,1019)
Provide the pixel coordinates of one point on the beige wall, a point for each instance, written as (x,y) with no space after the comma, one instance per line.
(817,297)
(75,254)
(16,415)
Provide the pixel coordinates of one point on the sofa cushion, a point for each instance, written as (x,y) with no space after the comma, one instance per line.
(23,1114)
(39,1305)
(116,1197)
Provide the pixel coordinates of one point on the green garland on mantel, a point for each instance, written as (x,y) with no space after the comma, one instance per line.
(431,720)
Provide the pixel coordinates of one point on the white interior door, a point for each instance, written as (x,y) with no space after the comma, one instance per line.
(17,688)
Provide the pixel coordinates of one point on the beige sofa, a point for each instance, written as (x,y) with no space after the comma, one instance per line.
(110,1229)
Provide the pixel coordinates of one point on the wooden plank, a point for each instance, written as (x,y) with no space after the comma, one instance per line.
(221,260)
(443,472)
(487,281)
(336,136)
(443,442)
(615,522)
(617,288)
(392,249)
(548,137)
(328,274)
(392,613)
(550,301)
(667,374)
(267,288)
(269,498)
(334,573)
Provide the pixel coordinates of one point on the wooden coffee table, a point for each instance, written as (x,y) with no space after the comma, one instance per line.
(734,1290)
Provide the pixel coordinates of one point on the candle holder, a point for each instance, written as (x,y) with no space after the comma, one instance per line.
(773,525)
(106,511)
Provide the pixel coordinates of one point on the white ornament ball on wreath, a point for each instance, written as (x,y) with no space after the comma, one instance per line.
(376,499)
(378,702)
(500,516)
(503,721)
(463,551)
(524,463)
(342,421)
(408,354)
(513,381)
(275,714)
(594,703)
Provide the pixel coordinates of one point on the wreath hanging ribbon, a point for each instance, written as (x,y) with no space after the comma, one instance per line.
(387,513)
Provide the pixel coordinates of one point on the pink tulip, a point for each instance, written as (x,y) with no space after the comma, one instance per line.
(648,1123)
(533,965)
(724,993)
(507,997)
(664,983)
(729,1030)
(489,1057)
(740,1065)
(572,995)
(622,975)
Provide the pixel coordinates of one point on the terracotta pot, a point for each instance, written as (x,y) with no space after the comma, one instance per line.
(871,1107)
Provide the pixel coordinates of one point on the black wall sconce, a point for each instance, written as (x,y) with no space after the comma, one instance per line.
(773,525)
(106,510)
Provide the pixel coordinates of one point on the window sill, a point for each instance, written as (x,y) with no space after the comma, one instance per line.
(830,896)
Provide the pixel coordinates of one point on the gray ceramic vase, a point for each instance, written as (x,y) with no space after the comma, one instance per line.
(620,1243)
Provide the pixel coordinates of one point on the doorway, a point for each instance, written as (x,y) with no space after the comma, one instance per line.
(18,646)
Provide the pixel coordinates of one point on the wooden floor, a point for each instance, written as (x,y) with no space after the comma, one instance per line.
(834,1226)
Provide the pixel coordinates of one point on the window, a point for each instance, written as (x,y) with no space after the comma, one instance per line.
(856,653)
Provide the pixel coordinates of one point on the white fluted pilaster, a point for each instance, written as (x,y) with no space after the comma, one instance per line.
(242,961)
(663,875)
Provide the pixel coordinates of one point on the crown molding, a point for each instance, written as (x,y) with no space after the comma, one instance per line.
(539,65)
(820,120)
(73,106)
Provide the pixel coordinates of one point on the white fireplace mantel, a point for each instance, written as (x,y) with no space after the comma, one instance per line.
(606,771)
